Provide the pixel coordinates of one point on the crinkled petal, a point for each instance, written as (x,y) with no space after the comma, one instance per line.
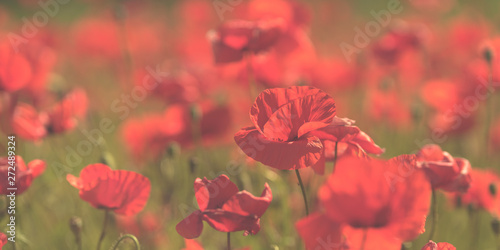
(246,204)
(302,153)
(212,194)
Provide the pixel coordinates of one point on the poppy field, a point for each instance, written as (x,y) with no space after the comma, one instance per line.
(249,124)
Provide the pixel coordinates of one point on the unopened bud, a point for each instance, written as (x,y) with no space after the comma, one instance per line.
(173,150)
(195,112)
(495,226)
(108,159)
(75,223)
(193,164)
(493,189)
(488,54)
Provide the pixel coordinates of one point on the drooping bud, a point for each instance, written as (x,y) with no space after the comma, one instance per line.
(75,223)
(495,226)
(493,189)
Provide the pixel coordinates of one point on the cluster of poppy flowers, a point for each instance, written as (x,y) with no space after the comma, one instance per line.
(194,84)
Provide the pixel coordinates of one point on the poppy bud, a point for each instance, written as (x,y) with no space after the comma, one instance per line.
(493,189)
(108,159)
(458,201)
(417,112)
(75,223)
(57,85)
(173,150)
(193,164)
(195,112)
(487,54)
(495,226)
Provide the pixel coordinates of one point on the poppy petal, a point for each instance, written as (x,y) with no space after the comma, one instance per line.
(211,194)
(225,221)
(37,167)
(298,154)
(191,226)
(318,232)
(367,144)
(284,124)
(431,245)
(27,123)
(244,203)
(192,245)
(270,100)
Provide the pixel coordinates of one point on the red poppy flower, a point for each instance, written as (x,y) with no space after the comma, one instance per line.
(483,191)
(123,192)
(444,172)
(234,38)
(438,246)
(283,120)
(396,41)
(143,136)
(15,70)
(181,87)
(360,196)
(224,208)
(3,240)
(147,137)
(27,123)
(452,122)
(441,94)
(32,125)
(62,117)
(24,174)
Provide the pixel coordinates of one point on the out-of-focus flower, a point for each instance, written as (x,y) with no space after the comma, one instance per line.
(390,107)
(444,172)
(438,246)
(235,38)
(224,208)
(3,240)
(483,191)
(27,123)
(441,94)
(123,192)
(203,122)
(62,117)
(146,226)
(396,41)
(192,245)
(25,174)
(15,69)
(359,199)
